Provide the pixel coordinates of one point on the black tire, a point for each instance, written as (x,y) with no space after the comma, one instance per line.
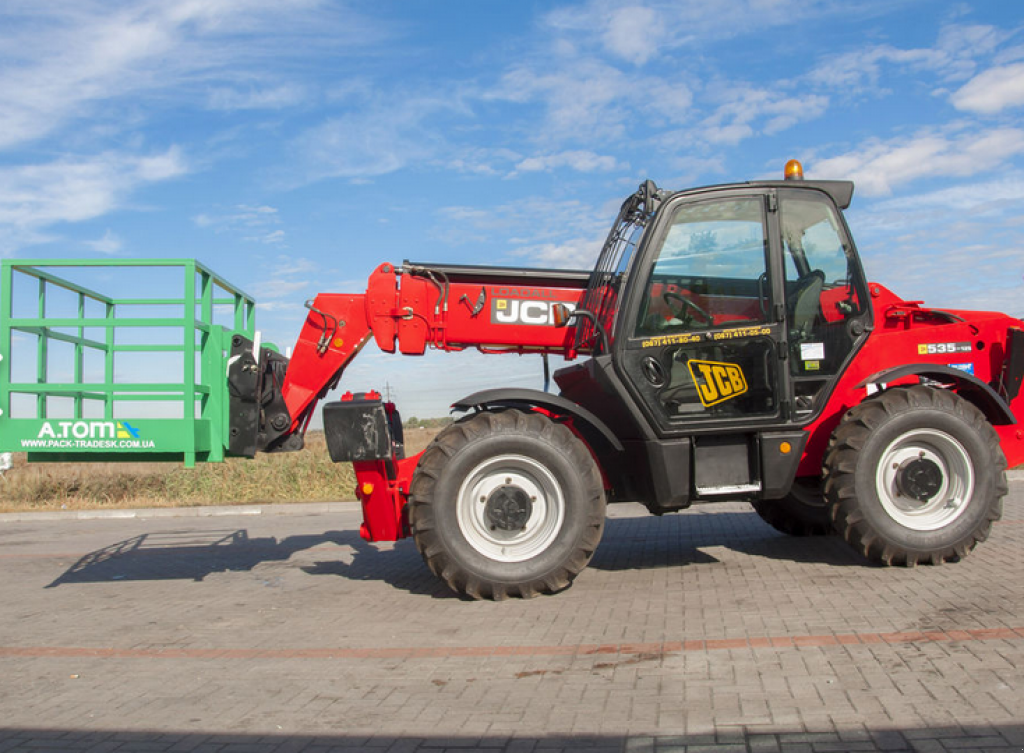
(506,504)
(802,512)
(915,474)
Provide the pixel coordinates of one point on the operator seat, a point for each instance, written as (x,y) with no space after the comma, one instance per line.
(806,305)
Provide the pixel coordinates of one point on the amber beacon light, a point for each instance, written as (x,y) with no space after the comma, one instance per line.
(794,170)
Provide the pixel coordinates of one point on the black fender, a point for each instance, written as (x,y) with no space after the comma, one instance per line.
(968,386)
(515,397)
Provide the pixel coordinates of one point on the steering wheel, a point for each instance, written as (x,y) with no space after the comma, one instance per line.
(687,304)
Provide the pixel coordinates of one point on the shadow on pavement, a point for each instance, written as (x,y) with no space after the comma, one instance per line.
(400,567)
(195,554)
(690,538)
(628,544)
(857,738)
(190,555)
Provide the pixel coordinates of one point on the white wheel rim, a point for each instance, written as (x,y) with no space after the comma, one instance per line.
(948,497)
(524,478)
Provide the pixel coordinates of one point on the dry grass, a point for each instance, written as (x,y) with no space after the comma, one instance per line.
(306,476)
(416,440)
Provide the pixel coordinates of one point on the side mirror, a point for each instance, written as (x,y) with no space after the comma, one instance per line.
(560,314)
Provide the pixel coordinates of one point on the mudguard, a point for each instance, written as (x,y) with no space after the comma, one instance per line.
(512,397)
(969,386)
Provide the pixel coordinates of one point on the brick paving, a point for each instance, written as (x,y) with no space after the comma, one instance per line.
(704,631)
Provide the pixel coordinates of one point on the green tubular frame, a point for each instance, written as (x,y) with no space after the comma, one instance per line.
(192,438)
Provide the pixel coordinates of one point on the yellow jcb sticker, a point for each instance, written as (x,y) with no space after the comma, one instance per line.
(717,382)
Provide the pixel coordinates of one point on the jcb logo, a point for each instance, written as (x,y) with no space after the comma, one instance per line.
(717,382)
(515,311)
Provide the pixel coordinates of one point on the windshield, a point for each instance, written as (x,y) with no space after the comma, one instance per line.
(711,269)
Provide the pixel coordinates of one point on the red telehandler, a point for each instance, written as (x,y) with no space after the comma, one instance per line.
(731,348)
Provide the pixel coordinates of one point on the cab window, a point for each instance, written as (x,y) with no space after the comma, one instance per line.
(821,293)
(709,270)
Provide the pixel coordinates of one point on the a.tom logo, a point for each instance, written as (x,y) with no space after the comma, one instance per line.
(717,382)
(87,430)
(517,311)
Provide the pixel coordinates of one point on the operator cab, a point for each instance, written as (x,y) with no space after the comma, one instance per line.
(728,310)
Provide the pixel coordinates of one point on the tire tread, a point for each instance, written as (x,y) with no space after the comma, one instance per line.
(841,458)
(430,542)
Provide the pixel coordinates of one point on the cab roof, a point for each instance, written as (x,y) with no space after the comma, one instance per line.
(841,191)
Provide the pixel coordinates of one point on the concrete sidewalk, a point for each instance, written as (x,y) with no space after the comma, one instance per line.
(703,631)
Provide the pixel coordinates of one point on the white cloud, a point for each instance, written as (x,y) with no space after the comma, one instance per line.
(589,97)
(13,238)
(61,58)
(633,33)
(574,253)
(481,161)
(952,58)
(380,137)
(881,165)
(1009,55)
(644,31)
(586,99)
(583,98)
(73,189)
(110,244)
(256,224)
(730,134)
(93,72)
(273,238)
(286,276)
(973,198)
(956,247)
(242,215)
(280,307)
(170,164)
(687,170)
(948,221)
(581,160)
(992,91)
(542,232)
(256,98)
(736,119)
(958,46)
(527,220)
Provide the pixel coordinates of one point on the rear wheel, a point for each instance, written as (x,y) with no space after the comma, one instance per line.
(915,475)
(802,512)
(506,503)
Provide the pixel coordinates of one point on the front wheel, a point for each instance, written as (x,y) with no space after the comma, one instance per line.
(915,474)
(506,503)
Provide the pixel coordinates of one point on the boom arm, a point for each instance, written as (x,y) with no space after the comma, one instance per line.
(414,307)
(409,309)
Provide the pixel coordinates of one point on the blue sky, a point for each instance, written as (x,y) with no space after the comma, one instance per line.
(293,145)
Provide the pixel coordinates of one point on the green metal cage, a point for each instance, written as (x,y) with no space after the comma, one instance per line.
(80,404)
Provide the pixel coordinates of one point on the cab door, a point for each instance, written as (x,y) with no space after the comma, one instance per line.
(699,344)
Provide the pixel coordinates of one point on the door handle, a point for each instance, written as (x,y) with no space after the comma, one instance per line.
(653,371)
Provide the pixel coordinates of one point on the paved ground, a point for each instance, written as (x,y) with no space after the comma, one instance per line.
(704,631)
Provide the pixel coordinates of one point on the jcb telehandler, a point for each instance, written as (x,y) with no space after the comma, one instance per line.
(731,349)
